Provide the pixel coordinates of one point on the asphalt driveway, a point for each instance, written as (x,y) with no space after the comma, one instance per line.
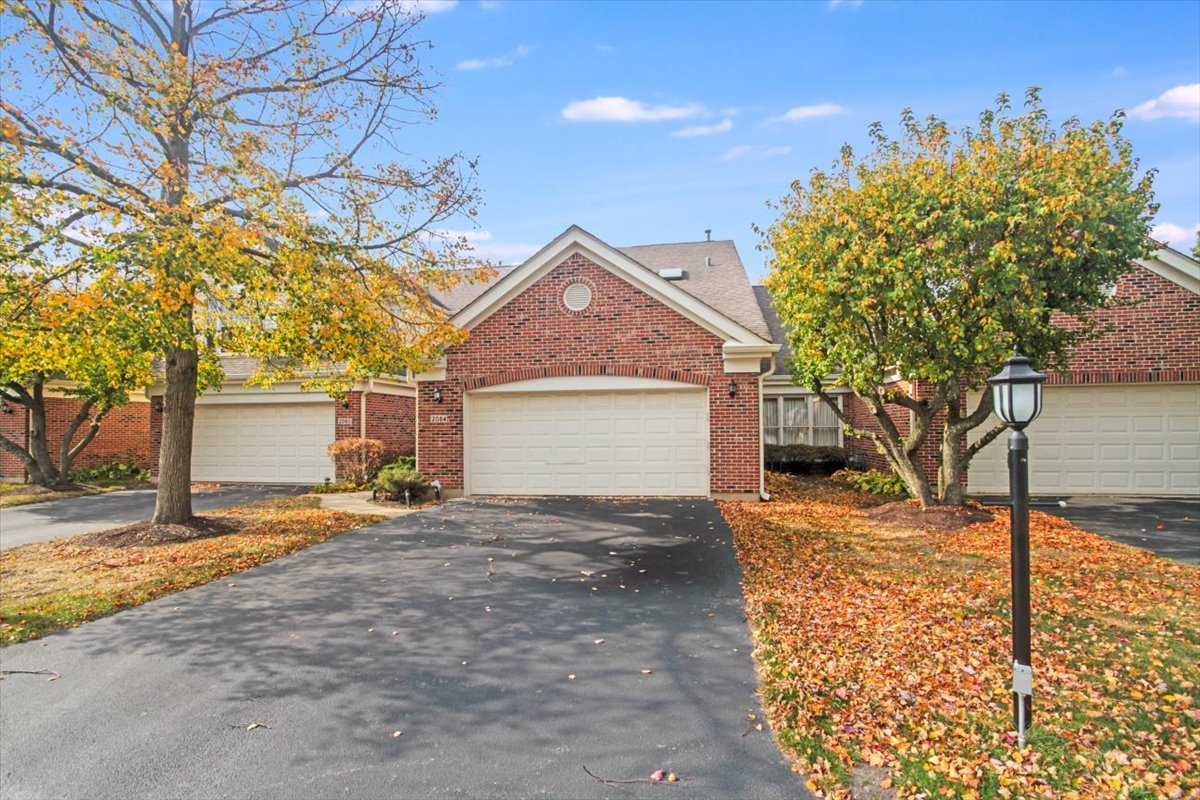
(40,522)
(460,626)
(1169,527)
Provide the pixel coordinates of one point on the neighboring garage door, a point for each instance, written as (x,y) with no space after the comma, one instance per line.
(1106,440)
(589,443)
(263,443)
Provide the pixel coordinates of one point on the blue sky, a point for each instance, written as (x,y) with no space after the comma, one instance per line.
(524,86)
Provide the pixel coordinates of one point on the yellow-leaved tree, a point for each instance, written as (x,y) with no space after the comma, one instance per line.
(910,273)
(232,168)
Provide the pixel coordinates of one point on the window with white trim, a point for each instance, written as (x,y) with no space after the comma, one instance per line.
(800,419)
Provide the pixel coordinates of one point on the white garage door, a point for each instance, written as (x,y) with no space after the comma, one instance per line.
(263,443)
(1106,440)
(589,443)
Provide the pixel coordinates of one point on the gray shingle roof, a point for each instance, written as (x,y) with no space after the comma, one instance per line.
(783,358)
(723,286)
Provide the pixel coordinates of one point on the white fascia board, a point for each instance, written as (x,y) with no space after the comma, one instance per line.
(576,240)
(589,383)
(747,357)
(436,371)
(1175,267)
(385,386)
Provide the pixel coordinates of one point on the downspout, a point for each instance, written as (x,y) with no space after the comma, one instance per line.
(362,408)
(762,470)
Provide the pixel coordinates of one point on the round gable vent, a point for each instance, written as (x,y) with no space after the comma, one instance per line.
(577,296)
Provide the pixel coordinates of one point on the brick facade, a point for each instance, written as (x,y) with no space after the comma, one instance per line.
(622,332)
(390,418)
(124,435)
(1153,336)
(14,425)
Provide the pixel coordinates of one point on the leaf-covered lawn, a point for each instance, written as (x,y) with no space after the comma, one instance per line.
(890,647)
(59,584)
(19,494)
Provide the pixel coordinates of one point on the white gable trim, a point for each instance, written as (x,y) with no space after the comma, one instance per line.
(575,240)
(1175,267)
(589,383)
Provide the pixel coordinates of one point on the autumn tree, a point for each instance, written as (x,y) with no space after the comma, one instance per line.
(240,160)
(40,357)
(909,274)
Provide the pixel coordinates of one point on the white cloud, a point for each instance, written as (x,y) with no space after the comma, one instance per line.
(622,109)
(1118,72)
(430,6)
(497,62)
(724,126)
(1180,237)
(1182,102)
(800,113)
(755,151)
(606,49)
(365,8)
(484,246)
(845,3)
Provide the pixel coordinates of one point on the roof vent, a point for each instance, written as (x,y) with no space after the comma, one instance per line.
(708,261)
(675,274)
(708,234)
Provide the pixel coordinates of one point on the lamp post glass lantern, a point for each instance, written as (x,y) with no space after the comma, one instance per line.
(1017,392)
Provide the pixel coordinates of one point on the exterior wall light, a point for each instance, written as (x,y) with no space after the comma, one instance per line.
(158,405)
(1017,393)
(733,388)
(437,395)
(5,408)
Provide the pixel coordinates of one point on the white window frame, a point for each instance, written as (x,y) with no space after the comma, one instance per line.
(812,401)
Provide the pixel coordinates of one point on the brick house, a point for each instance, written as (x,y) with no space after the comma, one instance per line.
(593,370)
(1124,418)
(242,434)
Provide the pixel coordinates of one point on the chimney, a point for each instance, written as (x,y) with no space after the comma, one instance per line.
(708,234)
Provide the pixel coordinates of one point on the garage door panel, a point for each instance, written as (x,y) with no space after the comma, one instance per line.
(265,443)
(600,443)
(1141,439)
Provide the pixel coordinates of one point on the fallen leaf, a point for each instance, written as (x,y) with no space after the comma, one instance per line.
(657,776)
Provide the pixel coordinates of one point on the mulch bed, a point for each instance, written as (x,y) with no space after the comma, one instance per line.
(145,534)
(908,514)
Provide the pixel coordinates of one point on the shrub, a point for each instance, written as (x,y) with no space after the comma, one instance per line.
(393,479)
(116,471)
(803,459)
(357,460)
(875,482)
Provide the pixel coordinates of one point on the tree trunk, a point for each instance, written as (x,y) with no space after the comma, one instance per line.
(174,498)
(952,471)
(46,474)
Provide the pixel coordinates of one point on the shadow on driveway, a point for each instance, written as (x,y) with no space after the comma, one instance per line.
(459,626)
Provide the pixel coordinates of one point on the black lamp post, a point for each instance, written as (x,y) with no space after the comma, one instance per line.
(1017,393)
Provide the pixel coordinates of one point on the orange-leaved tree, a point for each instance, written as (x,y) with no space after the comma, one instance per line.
(239,161)
(912,272)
